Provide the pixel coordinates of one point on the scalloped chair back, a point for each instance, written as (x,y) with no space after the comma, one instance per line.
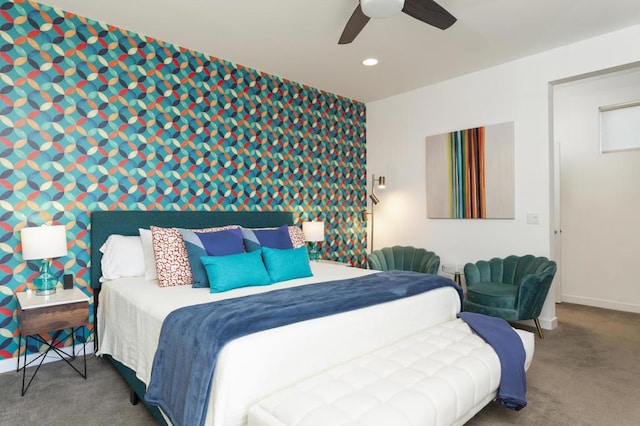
(513,288)
(405,258)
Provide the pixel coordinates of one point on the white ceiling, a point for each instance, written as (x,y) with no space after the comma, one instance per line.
(297,39)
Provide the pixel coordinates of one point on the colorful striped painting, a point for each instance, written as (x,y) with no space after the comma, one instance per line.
(470,173)
(465,153)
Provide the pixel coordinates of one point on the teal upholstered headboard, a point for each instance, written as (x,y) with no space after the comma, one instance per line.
(105,223)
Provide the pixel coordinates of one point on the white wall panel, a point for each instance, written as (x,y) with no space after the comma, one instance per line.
(517,91)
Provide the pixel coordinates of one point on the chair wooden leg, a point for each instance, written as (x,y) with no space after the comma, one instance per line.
(537,321)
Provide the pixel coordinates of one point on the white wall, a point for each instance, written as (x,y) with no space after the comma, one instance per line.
(599,195)
(517,91)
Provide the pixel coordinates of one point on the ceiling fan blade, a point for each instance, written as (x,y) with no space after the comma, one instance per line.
(355,24)
(430,12)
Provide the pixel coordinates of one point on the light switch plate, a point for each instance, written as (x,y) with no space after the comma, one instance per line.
(533,218)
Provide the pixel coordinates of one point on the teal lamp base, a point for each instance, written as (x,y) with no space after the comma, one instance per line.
(46,283)
(314,253)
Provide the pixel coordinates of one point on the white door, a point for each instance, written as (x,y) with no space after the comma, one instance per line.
(599,199)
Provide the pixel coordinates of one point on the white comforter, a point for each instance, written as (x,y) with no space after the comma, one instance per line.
(131,312)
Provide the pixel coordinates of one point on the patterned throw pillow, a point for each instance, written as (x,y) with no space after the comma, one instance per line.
(172,255)
(172,261)
(297,237)
(221,241)
(283,237)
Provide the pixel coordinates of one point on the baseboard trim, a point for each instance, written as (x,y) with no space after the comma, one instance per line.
(548,323)
(601,303)
(10,364)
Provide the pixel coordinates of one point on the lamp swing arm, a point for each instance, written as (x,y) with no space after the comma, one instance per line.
(381,182)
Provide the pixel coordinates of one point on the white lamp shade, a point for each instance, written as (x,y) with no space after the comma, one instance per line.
(43,242)
(313,231)
(381,8)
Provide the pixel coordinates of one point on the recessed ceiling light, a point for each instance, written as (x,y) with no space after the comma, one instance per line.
(369,62)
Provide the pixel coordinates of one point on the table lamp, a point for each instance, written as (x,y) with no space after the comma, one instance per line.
(313,233)
(44,242)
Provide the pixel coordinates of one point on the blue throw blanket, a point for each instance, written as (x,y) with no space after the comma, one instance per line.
(507,344)
(192,337)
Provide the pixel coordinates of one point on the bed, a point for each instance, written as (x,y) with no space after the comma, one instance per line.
(129,313)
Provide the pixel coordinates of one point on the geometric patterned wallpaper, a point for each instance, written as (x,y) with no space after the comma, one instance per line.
(93,117)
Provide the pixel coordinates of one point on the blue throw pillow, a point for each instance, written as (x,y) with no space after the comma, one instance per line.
(256,238)
(287,264)
(235,271)
(214,243)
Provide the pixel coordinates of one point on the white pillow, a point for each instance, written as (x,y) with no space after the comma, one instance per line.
(122,256)
(149,259)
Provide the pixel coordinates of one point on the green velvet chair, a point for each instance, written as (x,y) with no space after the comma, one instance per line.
(405,258)
(513,288)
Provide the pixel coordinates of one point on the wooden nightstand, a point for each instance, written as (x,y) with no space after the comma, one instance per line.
(64,310)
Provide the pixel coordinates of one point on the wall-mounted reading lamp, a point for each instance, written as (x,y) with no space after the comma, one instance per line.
(381,182)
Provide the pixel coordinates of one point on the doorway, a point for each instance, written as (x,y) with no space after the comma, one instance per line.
(597,231)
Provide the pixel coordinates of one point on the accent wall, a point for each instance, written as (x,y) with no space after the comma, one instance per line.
(93,117)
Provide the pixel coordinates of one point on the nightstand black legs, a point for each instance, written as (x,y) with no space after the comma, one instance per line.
(51,347)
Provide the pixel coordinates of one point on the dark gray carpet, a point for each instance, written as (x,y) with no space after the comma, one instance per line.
(585,372)
(59,396)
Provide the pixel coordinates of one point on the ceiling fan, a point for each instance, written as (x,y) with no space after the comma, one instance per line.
(427,11)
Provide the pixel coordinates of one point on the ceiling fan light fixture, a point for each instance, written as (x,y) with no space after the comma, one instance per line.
(369,62)
(381,8)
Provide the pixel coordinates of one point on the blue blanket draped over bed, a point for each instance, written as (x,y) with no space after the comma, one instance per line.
(192,337)
(508,345)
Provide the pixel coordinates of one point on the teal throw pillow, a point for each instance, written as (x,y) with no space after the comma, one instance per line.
(235,271)
(286,264)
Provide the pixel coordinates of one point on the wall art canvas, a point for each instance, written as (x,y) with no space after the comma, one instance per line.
(470,173)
